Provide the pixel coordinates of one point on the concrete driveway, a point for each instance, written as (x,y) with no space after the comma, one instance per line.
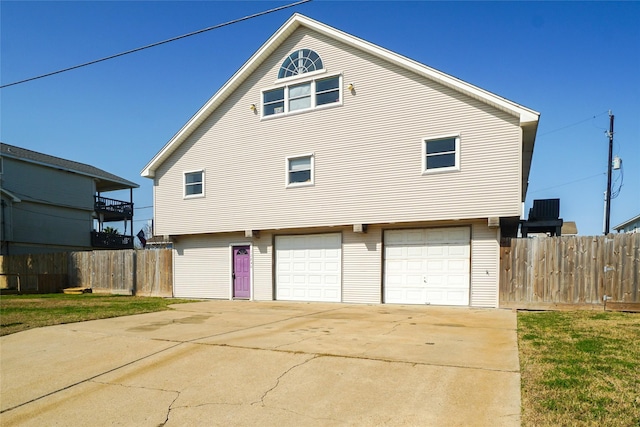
(267,363)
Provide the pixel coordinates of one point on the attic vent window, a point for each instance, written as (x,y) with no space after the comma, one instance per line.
(300,62)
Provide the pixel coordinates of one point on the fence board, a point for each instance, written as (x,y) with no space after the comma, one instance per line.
(570,270)
(154,273)
(144,272)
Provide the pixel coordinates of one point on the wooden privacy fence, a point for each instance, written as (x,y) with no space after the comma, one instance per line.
(130,272)
(548,272)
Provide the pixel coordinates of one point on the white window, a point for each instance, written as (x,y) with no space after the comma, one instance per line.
(441,154)
(300,170)
(301,96)
(327,90)
(273,102)
(194,184)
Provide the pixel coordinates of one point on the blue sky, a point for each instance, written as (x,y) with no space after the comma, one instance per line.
(570,61)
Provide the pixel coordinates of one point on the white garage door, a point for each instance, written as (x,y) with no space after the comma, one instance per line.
(427,266)
(308,267)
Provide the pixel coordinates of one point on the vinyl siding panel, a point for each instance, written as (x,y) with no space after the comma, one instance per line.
(55,211)
(367,154)
(362,266)
(51,225)
(484,266)
(47,185)
(202,266)
(263,267)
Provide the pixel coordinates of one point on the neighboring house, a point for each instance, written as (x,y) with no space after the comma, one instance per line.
(331,169)
(51,204)
(630,226)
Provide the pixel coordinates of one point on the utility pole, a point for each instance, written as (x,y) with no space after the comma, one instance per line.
(607,216)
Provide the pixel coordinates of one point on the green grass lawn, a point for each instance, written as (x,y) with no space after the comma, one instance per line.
(580,368)
(22,312)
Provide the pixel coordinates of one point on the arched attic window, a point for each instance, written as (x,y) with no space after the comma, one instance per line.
(299,62)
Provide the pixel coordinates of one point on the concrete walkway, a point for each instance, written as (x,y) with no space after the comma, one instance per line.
(267,363)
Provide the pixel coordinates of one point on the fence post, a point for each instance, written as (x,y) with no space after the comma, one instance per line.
(134,273)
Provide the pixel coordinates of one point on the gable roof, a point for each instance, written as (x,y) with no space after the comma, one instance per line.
(105,181)
(627,223)
(528,118)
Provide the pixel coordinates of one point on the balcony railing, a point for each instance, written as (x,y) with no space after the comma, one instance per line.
(111,241)
(113,210)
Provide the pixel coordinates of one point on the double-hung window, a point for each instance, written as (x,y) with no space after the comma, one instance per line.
(328,90)
(301,96)
(300,170)
(441,154)
(194,184)
(273,102)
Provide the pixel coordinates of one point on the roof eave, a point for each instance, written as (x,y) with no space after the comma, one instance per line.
(120,184)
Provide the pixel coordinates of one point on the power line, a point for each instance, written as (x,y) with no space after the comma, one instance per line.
(573,124)
(235,21)
(570,182)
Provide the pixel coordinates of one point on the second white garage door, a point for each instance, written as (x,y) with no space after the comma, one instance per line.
(308,267)
(427,266)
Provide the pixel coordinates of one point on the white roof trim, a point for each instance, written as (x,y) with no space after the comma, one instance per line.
(13,197)
(627,222)
(526,115)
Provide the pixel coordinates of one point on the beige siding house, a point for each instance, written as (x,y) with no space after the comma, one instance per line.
(330,169)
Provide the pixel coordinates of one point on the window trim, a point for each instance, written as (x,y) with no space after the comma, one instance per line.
(312,163)
(292,80)
(455,167)
(313,95)
(184,184)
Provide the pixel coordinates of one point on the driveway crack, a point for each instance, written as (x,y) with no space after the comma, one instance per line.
(166,420)
(261,401)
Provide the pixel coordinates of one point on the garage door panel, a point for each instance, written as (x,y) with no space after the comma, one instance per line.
(332,295)
(315,266)
(458,265)
(427,266)
(316,274)
(394,252)
(284,293)
(283,267)
(313,253)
